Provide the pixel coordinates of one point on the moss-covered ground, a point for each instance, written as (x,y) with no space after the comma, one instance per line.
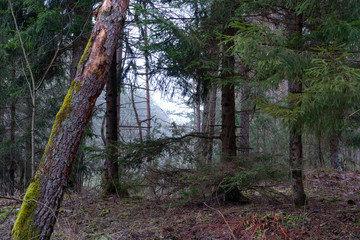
(333,212)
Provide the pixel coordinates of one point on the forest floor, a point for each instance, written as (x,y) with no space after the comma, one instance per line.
(332,212)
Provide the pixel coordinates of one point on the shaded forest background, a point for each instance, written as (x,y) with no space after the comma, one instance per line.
(273,87)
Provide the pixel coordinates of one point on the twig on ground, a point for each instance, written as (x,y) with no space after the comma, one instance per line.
(226,222)
(31,200)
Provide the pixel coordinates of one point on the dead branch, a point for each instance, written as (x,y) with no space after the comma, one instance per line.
(223,217)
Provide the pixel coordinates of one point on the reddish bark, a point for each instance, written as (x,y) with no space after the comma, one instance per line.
(37,218)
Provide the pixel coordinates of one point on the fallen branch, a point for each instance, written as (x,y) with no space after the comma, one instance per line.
(226,222)
(31,200)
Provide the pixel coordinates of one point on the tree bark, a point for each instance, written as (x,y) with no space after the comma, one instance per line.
(138,121)
(148,109)
(228,128)
(321,159)
(208,126)
(197,111)
(28,146)
(295,138)
(334,153)
(12,163)
(147,80)
(33,116)
(111,163)
(245,122)
(12,155)
(37,215)
(228,134)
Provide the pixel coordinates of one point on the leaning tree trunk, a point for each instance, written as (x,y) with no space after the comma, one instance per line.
(37,215)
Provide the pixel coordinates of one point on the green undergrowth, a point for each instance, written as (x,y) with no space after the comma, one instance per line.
(132,201)
(6,211)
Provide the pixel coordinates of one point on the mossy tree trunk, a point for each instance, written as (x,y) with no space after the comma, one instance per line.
(37,215)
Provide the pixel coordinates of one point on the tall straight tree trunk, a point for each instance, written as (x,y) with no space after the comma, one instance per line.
(27,150)
(111,163)
(197,111)
(228,137)
(245,122)
(320,155)
(147,80)
(208,126)
(334,153)
(12,163)
(295,139)
(228,129)
(119,63)
(37,216)
(33,116)
(147,86)
(138,121)
(198,115)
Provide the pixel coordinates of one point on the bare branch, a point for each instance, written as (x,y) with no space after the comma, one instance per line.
(223,217)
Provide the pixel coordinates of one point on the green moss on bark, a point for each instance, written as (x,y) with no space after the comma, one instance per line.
(24,225)
(86,53)
(63,114)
